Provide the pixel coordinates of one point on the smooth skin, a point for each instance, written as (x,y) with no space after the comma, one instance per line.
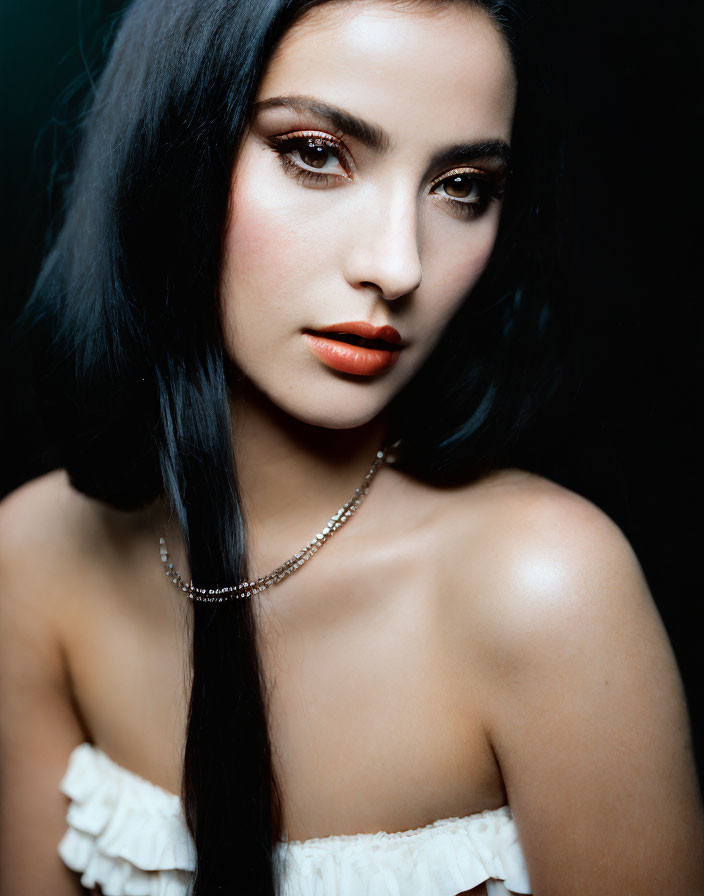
(450,650)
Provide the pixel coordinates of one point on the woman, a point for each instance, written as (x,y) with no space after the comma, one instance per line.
(471,639)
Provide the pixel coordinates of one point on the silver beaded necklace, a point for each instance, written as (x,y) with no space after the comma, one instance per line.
(247,589)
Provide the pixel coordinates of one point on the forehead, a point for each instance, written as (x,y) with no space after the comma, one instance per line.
(445,70)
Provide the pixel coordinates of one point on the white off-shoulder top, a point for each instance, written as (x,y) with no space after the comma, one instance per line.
(129,837)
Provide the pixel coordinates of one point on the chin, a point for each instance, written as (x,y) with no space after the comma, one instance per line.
(329,410)
(329,418)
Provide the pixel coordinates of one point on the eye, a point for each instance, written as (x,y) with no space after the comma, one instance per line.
(461,186)
(314,153)
(312,157)
(468,191)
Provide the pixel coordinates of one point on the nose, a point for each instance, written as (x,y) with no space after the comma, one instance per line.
(383,250)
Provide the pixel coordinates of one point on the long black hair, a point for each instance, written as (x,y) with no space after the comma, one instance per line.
(131,373)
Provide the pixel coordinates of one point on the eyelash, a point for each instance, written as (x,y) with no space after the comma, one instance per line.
(283,146)
(489,186)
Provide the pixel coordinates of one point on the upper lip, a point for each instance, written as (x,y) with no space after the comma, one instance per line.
(364,329)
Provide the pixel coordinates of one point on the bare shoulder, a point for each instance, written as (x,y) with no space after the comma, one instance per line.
(39,522)
(42,528)
(44,509)
(67,623)
(552,619)
(534,561)
(49,535)
(58,546)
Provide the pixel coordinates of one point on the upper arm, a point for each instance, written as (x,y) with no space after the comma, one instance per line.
(38,725)
(586,714)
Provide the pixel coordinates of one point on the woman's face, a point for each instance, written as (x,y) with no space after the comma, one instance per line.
(367,189)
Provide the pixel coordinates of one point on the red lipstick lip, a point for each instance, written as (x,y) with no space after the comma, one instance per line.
(365,330)
(350,358)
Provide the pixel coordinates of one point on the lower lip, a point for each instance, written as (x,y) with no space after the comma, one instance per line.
(351,358)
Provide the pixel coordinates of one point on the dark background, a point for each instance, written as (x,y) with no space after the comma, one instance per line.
(624,433)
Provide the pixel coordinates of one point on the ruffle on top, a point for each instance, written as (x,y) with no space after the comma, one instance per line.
(444,858)
(130,838)
(125,834)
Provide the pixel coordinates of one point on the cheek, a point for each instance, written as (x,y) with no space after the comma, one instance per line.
(262,273)
(257,240)
(282,245)
(271,229)
(457,254)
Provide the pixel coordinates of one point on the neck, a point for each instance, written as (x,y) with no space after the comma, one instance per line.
(292,475)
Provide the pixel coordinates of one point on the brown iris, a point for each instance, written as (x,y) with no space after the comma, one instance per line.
(314,154)
(460,186)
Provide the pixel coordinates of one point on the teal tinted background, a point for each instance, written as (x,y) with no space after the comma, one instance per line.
(48,53)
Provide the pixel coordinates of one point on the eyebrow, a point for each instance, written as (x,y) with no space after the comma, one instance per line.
(465,153)
(376,138)
(370,135)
